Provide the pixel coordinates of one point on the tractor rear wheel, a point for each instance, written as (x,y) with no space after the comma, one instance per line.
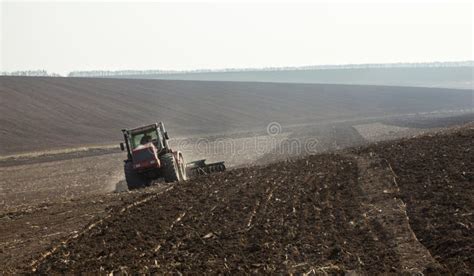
(133,179)
(170,168)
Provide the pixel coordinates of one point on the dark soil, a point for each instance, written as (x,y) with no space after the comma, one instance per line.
(27,233)
(288,217)
(402,206)
(435,174)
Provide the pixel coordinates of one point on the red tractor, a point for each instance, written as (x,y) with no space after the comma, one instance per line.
(149,157)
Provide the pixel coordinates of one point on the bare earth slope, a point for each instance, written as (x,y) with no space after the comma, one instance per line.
(403,206)
(43,113)
(436,180)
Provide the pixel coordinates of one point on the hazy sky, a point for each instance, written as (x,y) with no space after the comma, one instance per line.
(61,37)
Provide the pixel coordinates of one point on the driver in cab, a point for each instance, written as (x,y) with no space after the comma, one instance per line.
(145,139)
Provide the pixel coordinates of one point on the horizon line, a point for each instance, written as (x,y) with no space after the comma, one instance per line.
(245,69)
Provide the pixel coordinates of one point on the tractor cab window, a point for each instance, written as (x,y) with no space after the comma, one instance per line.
(144,138)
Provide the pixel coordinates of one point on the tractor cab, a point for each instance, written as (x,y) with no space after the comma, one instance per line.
(141,138)
(145,144)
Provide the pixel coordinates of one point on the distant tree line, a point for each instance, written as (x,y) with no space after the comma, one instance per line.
(30,73)
(107,73)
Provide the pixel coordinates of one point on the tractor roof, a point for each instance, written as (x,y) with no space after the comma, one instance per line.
(142,128)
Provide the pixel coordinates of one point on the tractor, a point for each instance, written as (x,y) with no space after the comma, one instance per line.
(149,157)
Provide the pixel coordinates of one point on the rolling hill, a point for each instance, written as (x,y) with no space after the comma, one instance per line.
(40,113)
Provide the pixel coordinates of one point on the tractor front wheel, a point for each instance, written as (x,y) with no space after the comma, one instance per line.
(170,168)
